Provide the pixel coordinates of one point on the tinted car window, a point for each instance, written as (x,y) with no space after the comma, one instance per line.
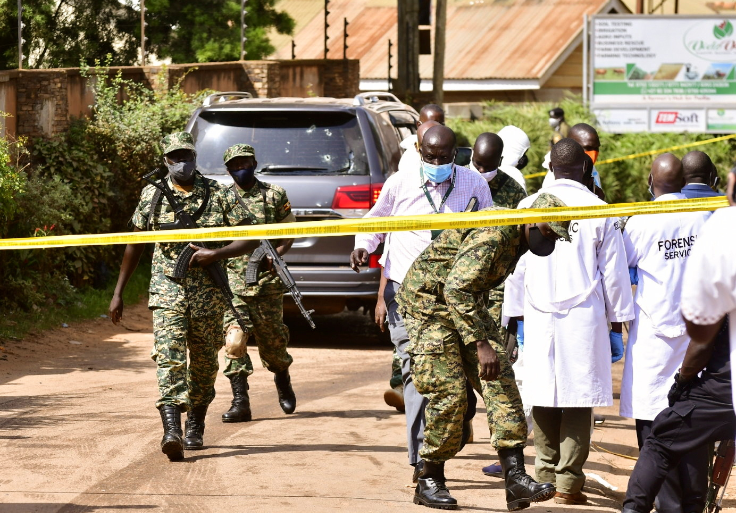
(294,142)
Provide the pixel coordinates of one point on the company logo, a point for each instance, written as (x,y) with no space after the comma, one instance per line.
(724,29)
(711,40)
(666,117)
(672,117)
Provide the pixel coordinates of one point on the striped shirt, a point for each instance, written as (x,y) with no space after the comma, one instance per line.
(402,195)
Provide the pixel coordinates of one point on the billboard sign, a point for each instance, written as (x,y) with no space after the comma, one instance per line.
(674,67)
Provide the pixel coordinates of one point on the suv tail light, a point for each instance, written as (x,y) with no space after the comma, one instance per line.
(373,261)
(355,201)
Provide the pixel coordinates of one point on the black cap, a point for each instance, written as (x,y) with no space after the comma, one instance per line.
(556,113)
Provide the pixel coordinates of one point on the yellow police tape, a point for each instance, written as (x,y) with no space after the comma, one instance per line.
(651,152)
(371,225)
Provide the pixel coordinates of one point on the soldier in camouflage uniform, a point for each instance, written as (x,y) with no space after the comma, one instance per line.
(453,338)
(187,312)
(261,304)
(506,192)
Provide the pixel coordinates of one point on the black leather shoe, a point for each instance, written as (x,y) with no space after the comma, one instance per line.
(418,468)
(431,490)
(194,438)
(521,489)
(287,398)
(171,444)
(240,407)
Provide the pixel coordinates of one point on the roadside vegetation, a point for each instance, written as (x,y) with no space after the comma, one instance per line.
(623,181)
(86,180)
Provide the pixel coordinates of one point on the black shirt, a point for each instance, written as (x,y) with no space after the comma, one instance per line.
(716,378)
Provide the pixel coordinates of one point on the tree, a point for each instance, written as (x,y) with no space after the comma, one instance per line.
(209,30)
(63,33)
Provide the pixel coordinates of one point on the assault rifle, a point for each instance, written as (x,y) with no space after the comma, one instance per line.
(251,274)
(720,474)
(185,220)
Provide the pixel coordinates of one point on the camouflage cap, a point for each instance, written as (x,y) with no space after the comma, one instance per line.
(239,150)
(546,200)
(177,141)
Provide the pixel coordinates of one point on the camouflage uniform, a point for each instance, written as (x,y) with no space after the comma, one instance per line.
(396,376)
(187,313)
(261,304)
(443,302)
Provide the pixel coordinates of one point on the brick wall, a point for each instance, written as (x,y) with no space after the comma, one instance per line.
(43,102)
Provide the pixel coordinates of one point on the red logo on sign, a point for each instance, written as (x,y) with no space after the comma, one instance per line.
(666,117)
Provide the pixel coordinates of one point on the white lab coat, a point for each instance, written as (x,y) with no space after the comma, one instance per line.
(410,160)
(569,298)
(658,245)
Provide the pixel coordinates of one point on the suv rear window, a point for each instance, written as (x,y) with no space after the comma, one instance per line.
(293,142)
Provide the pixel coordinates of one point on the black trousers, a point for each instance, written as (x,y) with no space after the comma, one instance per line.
(700,417)
(685,487)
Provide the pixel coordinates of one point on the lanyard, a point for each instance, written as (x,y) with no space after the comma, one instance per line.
(444,198)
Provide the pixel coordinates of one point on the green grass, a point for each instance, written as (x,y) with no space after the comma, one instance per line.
(86,304)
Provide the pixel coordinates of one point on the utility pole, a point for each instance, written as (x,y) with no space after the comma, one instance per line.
(20,34)
(293,49)
(407,85)
(143,32)
(327,12)
(243,39)
(390,44)
(438,77)
(345,38)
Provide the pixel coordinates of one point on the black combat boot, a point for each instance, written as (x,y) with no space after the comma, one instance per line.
(171,444)
(431,490)
(194,439)
(287,398)
(240,408)
(521,489)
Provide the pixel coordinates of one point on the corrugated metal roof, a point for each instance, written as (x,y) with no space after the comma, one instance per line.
(486,39)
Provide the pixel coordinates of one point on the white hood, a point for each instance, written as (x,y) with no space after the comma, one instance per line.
(515,144)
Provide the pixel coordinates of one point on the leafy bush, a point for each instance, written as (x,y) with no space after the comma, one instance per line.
(83,181)
(623,181)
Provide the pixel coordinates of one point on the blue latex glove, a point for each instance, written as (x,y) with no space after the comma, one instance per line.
(520,332)
(633,276)
(617,346)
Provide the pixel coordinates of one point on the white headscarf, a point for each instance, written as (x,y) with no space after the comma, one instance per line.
(515,144)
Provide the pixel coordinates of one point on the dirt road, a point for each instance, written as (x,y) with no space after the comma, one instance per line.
(79,432)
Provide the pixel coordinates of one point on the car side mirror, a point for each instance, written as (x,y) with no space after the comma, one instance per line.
(463,155)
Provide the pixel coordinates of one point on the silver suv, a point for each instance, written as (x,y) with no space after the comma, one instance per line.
(331,156)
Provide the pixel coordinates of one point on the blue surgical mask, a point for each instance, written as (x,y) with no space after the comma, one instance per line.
(437,172)
(243,176)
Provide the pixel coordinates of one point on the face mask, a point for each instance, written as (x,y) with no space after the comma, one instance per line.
(523,161)
(182,171)
(538,244)
(243,176)
(554,122)
(649,188)
(593,154)
(437,172)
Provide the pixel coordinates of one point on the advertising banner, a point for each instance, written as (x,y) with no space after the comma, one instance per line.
(676,72)
(622,120)
(657,59)
(721,120)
